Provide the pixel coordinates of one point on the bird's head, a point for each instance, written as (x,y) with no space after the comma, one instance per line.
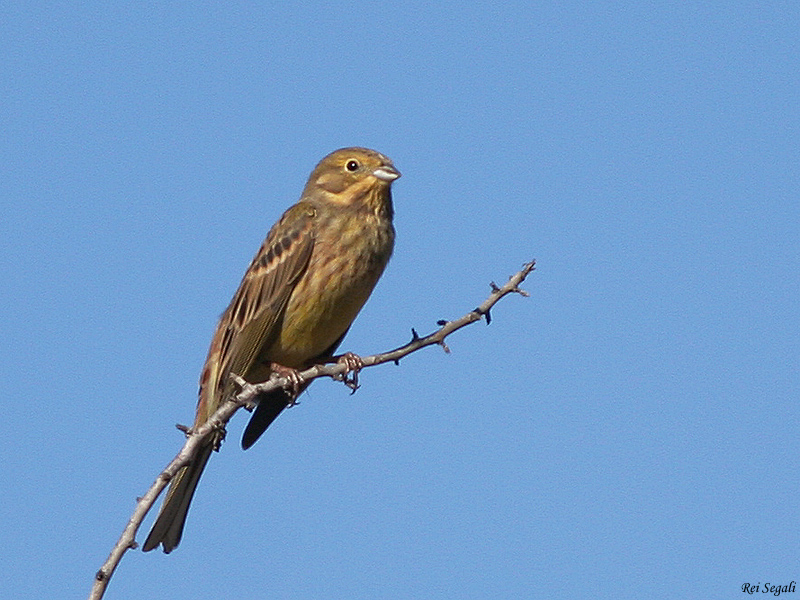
(352,175)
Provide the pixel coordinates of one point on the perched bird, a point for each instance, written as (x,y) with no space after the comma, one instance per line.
(298,298)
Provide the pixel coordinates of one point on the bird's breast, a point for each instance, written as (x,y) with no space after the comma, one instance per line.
(350,254)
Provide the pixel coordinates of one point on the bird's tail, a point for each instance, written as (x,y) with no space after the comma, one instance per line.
(168,527)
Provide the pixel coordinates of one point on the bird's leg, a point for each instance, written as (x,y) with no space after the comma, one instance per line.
(295,381)
(353,364)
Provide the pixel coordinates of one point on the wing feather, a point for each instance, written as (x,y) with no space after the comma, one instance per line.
(252,320)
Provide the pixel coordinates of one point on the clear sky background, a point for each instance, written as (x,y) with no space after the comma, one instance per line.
(628,431)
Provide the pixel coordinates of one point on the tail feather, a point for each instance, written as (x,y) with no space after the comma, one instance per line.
(269,407)
(168,528)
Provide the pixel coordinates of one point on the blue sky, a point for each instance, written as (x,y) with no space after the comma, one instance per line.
(628,431)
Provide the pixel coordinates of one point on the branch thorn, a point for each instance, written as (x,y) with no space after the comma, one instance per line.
(520,291)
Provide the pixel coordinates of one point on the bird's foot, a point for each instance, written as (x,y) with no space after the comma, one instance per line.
(353,363)
(295,381)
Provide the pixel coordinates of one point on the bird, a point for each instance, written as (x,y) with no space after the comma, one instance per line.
(303,289)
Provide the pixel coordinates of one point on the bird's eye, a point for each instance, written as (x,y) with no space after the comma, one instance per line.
(352,165)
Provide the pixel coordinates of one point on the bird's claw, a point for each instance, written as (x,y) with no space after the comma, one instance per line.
(295,381)
(353,363)
(219,435)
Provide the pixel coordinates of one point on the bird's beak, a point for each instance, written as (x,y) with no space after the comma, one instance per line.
(386,173)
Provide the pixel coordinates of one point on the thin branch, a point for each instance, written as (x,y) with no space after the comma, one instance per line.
(248,397)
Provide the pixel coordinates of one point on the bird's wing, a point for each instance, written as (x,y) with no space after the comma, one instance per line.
(252,320)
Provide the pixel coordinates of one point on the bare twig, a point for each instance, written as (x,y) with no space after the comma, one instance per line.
(249,394)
